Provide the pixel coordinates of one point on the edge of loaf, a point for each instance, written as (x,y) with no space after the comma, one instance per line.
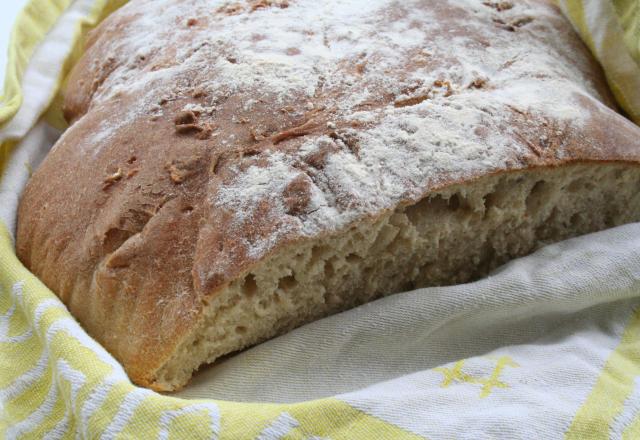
(207,141)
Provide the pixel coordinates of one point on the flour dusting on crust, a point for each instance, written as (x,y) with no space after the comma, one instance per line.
(394,98)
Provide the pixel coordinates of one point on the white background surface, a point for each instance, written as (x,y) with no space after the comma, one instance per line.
(8,11)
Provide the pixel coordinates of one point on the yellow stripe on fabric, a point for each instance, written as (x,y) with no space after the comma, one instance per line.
(616,382)
(234,424)
(320,418)
(31,26)
(623,83)
(102,418)
(6,148)
(341,421)
(18,326)
(23,405)
(619,92)
(575,10)
(17,359)
(28,352)
(50,422)
(19,406)
(146,421)
(628,12)
(30,29)
(619,60)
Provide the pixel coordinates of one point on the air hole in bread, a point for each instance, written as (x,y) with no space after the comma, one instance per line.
(287,282)
(537,196)
(241,329)
(250,286)
(353,259)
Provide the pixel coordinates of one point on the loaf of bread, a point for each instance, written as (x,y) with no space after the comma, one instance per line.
(236,169)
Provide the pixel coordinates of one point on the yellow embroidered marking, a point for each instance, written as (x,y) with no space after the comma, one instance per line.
(615,384)
(493,380)
(455,374)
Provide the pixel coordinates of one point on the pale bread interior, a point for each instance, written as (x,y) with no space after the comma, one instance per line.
(453,235)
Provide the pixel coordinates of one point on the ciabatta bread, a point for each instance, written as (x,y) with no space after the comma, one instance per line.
(236,169)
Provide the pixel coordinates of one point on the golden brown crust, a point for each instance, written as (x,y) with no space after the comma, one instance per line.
(136,218)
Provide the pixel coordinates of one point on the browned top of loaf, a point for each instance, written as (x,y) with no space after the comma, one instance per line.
(208,134)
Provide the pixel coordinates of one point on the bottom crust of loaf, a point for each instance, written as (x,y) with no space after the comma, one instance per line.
(454,235)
